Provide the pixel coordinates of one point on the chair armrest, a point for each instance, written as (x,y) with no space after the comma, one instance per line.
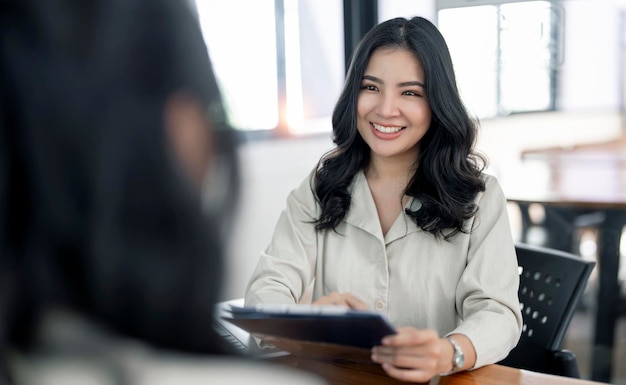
(566,361)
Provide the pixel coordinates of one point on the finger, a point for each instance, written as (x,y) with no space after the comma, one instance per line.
(402,350)
(404,357)
(354,302)
(409,336)
(333,298)
(327,302)
(408,359)
(408,375)
(342,299)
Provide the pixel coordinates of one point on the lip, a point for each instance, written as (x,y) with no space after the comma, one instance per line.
(386,136)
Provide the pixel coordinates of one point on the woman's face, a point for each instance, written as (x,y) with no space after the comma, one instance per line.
(393,113)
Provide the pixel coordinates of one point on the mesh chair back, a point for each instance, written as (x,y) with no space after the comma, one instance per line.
(551,285)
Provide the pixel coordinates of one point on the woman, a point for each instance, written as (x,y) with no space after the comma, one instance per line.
(399,216)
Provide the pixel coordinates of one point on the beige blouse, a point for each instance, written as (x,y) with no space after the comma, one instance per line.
(466,285)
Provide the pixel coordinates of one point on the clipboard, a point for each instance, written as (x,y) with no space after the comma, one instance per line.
(319,324)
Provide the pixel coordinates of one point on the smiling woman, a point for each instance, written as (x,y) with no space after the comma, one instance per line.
(399,217)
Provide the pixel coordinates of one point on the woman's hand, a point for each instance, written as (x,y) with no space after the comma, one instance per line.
(414,355)
(343,299)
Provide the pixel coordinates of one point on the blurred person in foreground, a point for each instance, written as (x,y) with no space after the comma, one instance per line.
(117,172)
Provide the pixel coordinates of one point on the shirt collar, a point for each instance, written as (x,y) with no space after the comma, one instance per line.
(363,214)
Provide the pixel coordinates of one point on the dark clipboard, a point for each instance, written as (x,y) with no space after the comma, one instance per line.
(332,325)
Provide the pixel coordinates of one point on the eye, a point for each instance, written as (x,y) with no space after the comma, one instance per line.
(412,93)
(369,87)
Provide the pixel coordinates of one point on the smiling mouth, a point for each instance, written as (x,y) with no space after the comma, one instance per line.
(385,129)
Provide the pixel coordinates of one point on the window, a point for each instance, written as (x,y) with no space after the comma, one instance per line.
(242,46)
(279,62)
(505,55)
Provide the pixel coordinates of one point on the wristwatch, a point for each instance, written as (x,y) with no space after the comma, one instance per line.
(458,359)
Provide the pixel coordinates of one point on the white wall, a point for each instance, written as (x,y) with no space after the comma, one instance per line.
(271,169)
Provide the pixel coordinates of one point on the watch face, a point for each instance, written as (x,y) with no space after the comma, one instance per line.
(459,360)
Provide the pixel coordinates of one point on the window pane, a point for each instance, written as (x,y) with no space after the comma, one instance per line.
(525,37)
(503,55)
(314,62)
(241,38)
(471,34)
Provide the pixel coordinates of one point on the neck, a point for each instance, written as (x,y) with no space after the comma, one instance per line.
(397,169)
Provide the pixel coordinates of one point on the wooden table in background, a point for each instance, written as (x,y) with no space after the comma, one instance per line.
(589,177)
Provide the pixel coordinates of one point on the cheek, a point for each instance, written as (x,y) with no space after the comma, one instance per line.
(364,106)
(427,116)
(422,113)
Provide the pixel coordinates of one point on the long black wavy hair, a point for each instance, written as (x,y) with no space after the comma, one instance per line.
(448,176)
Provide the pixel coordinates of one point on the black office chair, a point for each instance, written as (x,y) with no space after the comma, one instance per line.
(551,284)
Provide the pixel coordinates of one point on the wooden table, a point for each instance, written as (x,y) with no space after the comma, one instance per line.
(353,367)
(588,177)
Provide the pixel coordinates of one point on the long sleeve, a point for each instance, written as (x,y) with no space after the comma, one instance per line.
(487,301)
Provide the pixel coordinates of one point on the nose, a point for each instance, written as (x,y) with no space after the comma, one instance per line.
(388,105)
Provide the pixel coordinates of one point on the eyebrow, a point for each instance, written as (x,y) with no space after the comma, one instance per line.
(402,84)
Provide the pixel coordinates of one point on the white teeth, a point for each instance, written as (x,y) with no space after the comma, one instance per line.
(386,130)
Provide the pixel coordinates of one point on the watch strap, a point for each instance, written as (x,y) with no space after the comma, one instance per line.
(458,357)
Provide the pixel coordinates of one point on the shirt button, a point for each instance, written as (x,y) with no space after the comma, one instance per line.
(379,305)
